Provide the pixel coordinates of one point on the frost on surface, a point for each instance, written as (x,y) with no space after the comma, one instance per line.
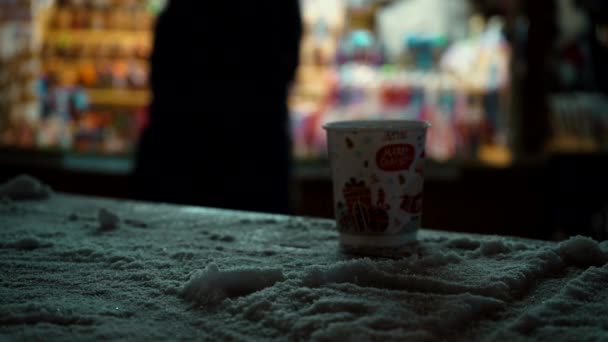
(186,273)
(24,187)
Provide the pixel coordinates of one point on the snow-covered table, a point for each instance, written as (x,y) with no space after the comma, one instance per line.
(172,272)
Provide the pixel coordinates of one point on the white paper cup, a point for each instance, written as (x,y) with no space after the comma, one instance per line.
(378,175)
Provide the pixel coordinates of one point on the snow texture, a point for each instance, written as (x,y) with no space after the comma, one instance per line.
(190,273)
(107,219)
(24,187)
(212,285)
(26,244)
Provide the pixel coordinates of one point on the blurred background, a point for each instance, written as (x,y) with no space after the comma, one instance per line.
(516,91)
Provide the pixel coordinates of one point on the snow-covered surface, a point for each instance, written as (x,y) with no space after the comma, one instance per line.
(182,273)
(24,187)
(107,219)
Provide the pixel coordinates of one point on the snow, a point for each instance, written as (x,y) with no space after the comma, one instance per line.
(578,309)
(582,250)
(24,187)
(490,248)
(107,219)
(27,244)
(188,273)
(211,285)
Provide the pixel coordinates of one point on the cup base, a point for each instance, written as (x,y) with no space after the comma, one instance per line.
(376,245)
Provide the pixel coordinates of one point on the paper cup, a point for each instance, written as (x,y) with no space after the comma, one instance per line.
(378,175)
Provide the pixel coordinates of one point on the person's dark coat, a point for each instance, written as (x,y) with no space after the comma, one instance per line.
(218,133)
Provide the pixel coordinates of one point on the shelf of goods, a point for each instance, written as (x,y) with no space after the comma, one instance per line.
(94,83)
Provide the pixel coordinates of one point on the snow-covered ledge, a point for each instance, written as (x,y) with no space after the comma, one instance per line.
(76,268)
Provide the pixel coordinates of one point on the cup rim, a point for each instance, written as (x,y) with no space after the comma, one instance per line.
(349,125)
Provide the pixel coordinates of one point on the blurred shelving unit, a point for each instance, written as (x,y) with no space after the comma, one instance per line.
(119,97)
(90,83)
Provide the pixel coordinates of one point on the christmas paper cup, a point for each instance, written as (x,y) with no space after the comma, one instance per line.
(378,174)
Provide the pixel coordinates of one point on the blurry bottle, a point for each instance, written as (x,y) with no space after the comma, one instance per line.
(80,19)
(88,74)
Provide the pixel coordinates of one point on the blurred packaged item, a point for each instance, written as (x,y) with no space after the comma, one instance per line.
(421,17)
(359,46)
(579,122)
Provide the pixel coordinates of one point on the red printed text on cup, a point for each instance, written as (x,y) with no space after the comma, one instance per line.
(396,157)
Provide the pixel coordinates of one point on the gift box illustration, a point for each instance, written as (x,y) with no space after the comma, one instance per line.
(363,215)
(358,197)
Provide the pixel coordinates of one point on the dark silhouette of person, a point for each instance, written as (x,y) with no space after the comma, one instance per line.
(218,134)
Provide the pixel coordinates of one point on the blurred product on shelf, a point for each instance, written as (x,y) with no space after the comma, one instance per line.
(577,100)
(579,122)
(103,15)
(455,75)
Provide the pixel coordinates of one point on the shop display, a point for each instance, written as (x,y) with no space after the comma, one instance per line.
(91,85)
(19,68)
(577,100)
(459,82)
(86,89)
(95,73)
